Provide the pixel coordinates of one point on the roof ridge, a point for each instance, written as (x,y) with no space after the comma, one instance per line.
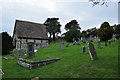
(28,21)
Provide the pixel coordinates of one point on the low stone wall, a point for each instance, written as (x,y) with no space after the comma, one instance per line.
(32,65)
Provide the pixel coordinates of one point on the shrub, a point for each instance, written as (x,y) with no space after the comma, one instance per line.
(7,44)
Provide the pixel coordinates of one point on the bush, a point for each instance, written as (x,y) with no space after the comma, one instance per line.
(105,32)
(72,34)
(7,44)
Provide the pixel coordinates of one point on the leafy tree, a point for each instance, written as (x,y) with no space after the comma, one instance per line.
(52,26)
(83,34)
(7,44)
(105,25)
(72,25)
(101,2)
(117,31)
(73,31)
(105,32)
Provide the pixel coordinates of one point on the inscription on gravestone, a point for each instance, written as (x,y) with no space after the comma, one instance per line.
(92,51)
(30,50)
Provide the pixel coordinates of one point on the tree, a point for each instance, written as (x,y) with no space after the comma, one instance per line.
(72,25)
(52,26)
(83,34)
(73,31)
(117,31)
(7,44)
(101,2)
(105,32)
(105,25)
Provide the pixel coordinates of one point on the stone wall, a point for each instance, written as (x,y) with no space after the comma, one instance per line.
(32,65)
(22,43)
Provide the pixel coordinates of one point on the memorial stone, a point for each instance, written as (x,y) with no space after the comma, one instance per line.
(92,51)
(30,50)
(83,49)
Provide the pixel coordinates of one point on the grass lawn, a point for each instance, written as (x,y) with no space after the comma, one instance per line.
(73,63)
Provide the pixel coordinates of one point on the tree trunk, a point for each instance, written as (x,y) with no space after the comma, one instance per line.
(50,35)
(54,37)
(105,43)
(50,38)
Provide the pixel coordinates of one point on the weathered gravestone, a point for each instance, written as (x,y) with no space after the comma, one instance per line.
(67,45)
(84,41)
(19,52)
(36,78)
(76,42)
(62,46)
(8,58)
(30,50)
(83,49)
(99,44)
(1,72)
(92,51)
(79,40)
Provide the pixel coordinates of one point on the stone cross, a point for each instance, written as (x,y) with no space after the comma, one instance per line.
(92,51)
(30,50)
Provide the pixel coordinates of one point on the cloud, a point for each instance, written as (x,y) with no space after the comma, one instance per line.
(39,10)
(46,4)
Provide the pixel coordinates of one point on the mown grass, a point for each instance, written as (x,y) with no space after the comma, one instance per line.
(73,63)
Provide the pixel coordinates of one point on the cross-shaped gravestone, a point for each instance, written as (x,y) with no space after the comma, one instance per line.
(92,51)
(30,50)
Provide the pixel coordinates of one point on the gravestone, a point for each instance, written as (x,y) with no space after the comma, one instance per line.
(99,44)
(19,52)
(67,45)
(92,51)
(84,41)
(8,58)
(62,46)
(79,40)
(30,50)
(83,49)
(36,78)
(1,72)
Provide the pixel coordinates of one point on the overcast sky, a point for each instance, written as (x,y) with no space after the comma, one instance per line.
(66,10)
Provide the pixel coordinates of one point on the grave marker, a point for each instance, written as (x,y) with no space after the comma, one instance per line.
(83,49)
(19,52)
(92,51)
(62,46)
(99,44)
(1,72)
(30,50)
